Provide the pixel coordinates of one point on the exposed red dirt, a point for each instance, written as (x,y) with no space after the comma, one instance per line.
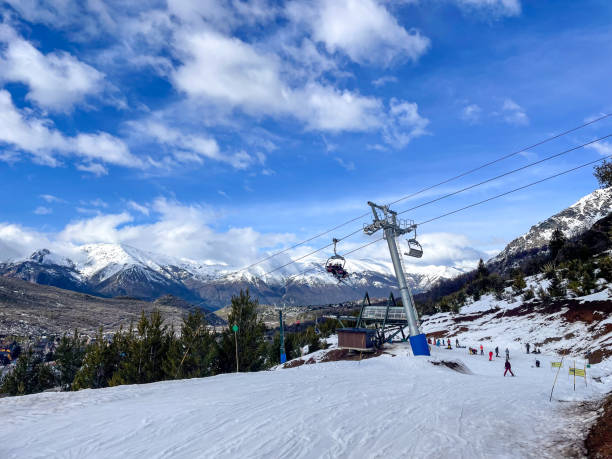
(599,440)
(344,354)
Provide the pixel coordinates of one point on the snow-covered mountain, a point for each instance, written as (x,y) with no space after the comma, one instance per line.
(572,221)
(122,270)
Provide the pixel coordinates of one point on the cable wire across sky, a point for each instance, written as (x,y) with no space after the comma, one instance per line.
(550,177)
(430,187)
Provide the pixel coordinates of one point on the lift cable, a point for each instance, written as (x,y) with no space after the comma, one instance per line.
(509,155)
(463,174)
(526,166)
(449,195)
(567,171)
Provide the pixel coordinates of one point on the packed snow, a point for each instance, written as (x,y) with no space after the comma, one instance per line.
(395,405)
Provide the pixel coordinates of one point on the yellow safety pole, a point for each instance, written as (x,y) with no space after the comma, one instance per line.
(574,375)
(555,381)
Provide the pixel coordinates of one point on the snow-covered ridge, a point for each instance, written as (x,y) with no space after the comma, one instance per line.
(123,270)
(105,260)
(572,221)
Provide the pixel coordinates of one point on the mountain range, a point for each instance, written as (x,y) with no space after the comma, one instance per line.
(119,270)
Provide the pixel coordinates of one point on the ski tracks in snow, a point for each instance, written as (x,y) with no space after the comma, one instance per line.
(378,408)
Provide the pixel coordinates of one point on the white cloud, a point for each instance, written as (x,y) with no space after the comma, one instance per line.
(93,168)
(231,73)
(57,81)
(601,147)
(348,165)
(384,80)
(102,228)
(98,203)
(37,136)
(471,113)
(42,210)
(16,241)
(83,19)
(404,123)
(513,113)
(50,198)
(363,29)
(191,148)
(182,231)
(328,109)
(144,210)
(186,231)
(494,7)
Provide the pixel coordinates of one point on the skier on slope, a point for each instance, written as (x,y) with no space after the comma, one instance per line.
(508,368)
(527,346)
(490,356)
(481,350)
(507,354)
(496,351)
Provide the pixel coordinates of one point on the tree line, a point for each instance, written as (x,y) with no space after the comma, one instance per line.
(153,351)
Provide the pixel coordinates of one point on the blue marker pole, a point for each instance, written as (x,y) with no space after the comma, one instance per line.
(283,356)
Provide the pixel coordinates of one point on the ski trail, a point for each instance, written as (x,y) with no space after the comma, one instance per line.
(383,407)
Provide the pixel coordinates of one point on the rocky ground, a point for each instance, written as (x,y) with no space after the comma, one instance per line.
(28,309)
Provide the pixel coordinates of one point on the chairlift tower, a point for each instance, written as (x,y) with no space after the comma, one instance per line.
(386,219)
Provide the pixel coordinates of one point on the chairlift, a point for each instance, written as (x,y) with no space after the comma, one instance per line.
(335,264)
(414,248)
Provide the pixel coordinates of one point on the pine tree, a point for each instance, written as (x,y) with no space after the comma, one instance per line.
(250,335)
(557,242)
(482,271)
(30,375)
(603,174)
(68,359)
(194,354)
(556,288)
(587,283)
(312,339)
(518,283)
(99,363)
(144,353)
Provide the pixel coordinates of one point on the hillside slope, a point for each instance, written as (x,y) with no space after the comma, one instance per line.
(572,221)
(29,309)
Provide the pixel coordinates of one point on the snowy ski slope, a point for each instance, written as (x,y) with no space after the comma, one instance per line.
(390,406)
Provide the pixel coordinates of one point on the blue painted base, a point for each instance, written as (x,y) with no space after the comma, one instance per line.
(419,344)
(283,358)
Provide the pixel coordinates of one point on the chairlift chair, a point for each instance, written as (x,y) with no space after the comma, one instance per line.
(414,248)
(335,264)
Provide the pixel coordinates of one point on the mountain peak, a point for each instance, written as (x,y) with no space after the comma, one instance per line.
(572,221)
(46,257)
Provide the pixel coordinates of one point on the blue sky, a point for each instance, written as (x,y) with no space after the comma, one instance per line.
(218,130)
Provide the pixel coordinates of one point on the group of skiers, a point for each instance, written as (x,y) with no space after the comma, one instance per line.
(535,349)
(473,351)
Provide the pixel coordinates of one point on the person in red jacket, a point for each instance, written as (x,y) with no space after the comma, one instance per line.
(508,368)
(490,356)
(481,350)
